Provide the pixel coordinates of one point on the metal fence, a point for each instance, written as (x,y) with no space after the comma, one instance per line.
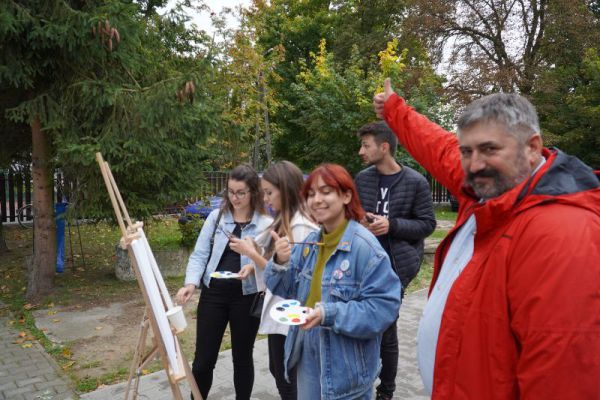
(216,182)
(439,194)
(16,191)
(213,182)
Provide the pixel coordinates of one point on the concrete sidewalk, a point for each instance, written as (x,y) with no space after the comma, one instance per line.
(155,386)
(28,373)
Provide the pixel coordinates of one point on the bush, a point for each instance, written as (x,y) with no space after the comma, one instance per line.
(190,227)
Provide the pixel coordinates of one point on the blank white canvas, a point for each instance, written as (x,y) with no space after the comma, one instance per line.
(156,271)
(145,266)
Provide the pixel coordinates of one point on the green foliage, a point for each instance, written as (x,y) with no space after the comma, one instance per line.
(331,102)
(96,93)
(569,105)
(190,230)
(329,105)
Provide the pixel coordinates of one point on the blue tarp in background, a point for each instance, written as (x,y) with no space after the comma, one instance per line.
(60,210)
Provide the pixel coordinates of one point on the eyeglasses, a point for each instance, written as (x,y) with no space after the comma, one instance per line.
(240,194)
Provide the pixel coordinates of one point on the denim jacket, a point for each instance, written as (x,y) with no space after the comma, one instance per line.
(197,264)
(360,298)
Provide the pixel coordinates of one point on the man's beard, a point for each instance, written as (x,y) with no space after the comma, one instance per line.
(501,183)
(373,161)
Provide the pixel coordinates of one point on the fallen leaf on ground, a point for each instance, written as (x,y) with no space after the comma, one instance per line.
(56,320)
(28,306)
(52,312)
(22,334)
(98,328)
(68,365)
(26,345)
(145,372)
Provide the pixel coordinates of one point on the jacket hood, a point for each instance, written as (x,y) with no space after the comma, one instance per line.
(566,180)
(562,179)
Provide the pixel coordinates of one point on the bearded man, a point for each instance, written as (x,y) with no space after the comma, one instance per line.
(514,304)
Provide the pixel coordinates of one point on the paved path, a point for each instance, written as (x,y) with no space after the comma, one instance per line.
(155,386)
(28,373)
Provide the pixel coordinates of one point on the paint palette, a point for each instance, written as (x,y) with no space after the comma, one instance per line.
(289,312)
(224,275)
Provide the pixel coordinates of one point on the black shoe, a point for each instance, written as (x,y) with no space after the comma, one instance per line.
(381,396)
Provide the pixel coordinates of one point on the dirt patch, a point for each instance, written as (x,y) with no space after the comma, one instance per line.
(102,340)
(91,313)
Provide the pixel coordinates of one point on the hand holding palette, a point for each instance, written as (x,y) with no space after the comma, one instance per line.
(289,312)
(224,275)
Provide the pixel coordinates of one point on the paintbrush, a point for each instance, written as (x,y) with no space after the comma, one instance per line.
(226,232)
(309,243)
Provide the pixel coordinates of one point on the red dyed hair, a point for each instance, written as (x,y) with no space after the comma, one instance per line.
(337,177)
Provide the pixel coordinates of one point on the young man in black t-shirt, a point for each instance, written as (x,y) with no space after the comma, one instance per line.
(399,209)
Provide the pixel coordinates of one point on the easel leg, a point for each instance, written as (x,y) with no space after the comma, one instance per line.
(190,378)
(136,364)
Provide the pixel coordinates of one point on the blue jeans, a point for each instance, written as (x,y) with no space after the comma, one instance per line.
(309,369)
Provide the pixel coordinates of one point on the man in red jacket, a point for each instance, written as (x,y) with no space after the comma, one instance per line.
(514,304)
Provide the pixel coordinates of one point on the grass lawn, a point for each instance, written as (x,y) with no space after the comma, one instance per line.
(444,213)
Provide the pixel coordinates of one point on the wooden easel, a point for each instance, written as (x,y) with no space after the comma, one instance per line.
(141,358)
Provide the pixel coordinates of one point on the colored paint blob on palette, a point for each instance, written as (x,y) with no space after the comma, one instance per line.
(224,275)
(289,312)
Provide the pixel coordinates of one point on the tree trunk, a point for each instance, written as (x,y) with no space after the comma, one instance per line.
(263,101)
(43,264)
(3,247)
(256,147)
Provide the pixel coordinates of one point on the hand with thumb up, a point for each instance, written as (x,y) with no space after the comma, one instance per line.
(283,248)
(380,98)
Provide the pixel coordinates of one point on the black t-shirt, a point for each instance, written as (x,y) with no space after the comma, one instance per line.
(230,261)
(383,201)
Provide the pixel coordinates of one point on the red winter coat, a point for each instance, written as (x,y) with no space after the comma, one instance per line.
(522,321)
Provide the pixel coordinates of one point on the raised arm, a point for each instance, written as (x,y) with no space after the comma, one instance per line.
(428,143)
(283,268)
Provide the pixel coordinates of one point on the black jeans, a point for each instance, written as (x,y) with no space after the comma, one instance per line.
(389,360)
(287,391)
(220,304)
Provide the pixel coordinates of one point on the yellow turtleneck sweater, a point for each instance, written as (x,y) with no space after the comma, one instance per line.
(330,242)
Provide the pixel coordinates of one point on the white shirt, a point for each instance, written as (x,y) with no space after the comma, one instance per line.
(458,256)
(301,227)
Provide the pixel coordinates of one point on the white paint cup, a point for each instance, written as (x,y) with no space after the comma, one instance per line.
(177,318)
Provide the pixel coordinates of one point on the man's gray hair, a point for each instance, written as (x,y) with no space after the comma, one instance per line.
(512,111)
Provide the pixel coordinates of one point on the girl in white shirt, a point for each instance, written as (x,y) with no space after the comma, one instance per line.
(281,184)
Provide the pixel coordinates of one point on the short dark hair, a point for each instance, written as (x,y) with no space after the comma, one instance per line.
(381,133)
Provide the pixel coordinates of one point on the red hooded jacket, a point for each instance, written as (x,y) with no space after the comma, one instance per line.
(522,320)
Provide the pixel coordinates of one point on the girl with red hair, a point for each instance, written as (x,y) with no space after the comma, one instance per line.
(343,274)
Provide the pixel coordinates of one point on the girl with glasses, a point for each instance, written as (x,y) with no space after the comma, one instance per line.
(345,277)
(226,301)
(281,184)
